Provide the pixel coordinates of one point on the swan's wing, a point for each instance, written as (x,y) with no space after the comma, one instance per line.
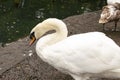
(90,52)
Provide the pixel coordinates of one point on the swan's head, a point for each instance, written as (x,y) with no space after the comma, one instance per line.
(45,26)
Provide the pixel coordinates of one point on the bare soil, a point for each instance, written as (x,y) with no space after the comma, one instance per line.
(18,61)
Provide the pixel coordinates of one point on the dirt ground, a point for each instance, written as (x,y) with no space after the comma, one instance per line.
(18,61)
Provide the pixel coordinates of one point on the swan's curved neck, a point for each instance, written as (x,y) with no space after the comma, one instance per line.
(50,39)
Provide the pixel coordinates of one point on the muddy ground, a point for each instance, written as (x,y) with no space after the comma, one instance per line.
(18,61)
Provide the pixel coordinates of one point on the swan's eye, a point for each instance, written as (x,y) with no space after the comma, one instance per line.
(32,35)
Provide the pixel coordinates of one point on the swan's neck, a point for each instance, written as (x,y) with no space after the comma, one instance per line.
(50,39)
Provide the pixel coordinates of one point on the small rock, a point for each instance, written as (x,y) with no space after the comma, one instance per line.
(24,54)
(30,54)
(0,68)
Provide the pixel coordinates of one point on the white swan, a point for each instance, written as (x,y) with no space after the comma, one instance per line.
(82,55)
(113,1)
(110,13)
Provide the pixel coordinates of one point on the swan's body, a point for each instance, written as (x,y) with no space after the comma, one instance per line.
(82,56)
(113,1)
(110,13)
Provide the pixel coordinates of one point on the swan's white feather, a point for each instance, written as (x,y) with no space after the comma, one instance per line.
(82,55)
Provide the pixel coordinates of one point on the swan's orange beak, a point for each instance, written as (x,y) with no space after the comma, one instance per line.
(32,40)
